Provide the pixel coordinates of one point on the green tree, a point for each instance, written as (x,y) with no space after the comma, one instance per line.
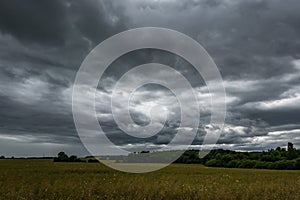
(292,152)
(297,163)
(62,157)
(72,158)
(214,163)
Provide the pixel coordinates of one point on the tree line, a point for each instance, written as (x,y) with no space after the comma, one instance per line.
(279,158)
(63,157)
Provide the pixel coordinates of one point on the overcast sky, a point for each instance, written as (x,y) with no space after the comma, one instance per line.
(255,44)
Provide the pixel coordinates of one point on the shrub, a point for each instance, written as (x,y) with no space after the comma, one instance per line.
(214,163)
(297,163)
(247,164)
(93,161)
(233,164)
(261,165)
(62,157)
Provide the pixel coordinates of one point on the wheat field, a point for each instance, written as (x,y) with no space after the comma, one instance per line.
(44,179)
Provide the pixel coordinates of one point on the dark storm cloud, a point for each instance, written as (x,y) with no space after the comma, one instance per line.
(251,41)
(42,45)
(52,22)
(33,20)
(96,20)
(242,36)
(255,44)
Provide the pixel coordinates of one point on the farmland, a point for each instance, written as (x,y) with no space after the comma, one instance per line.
(44,179)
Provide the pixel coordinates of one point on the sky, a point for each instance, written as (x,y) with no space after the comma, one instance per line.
(254,43)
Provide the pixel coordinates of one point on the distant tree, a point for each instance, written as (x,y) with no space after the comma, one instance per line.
(290,146)
(93,161)
(278,149)
(233,164)
(2,157)
(261,165)
(72,158)
(226,158)
(279,158)
(292,152)
(61,157)
(282,164)
(247,164)
(189,157)
(297,163)
(214,163)
(267,158)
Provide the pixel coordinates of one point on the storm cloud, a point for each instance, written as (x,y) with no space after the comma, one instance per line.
(255,44)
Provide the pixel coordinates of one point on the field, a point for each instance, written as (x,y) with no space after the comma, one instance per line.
(43,179)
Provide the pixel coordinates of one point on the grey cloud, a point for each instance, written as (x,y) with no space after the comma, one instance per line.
(41,21)
(254,43)
(53,22)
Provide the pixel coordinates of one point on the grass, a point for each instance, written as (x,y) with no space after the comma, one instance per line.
(43,179)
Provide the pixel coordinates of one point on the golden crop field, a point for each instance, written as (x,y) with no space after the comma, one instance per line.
(43,179)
